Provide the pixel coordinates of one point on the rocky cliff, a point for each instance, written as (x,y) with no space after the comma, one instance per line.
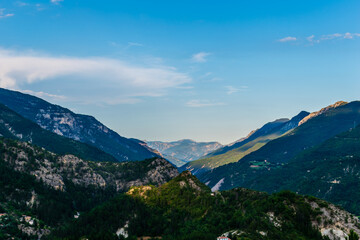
(79,127)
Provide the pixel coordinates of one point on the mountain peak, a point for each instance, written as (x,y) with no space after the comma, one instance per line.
(188,181)
(321,111)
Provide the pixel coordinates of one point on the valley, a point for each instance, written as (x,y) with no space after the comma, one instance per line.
(56,187)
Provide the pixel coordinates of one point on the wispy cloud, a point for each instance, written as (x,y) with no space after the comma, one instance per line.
(202,103)
(135,44)
(331,36)
(37,6)
(231,89)
(5,15)
(45,95)
(312,39)
(19,70)
(334,36)
(56,1)
(200,57)
(287,39)
(123,46)
(21,4)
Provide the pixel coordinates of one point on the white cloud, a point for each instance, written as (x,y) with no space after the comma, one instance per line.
(135,44)
(102,76)
(37,6)
(44,95)
(5,15)
(200,57)
(312,39)
(231,89)
(351,35)
(202,103)
(288,39)
(21,4)
(56,1)
(331,36)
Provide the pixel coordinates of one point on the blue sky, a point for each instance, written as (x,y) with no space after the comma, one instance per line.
(167,70)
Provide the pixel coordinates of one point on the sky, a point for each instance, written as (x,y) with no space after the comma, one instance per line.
(169,70)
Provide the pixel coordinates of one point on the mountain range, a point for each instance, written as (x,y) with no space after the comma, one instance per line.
(64,176)
(14,126)
(254,141)
(79,127)
(184,208)
(275,158)
(49,189)
(183,151)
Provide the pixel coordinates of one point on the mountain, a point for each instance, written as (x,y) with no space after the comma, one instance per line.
(184,208)
(79,127)
(254,141)
(280,151)
(14,126)
(330,171)
(183,151)
(40,190)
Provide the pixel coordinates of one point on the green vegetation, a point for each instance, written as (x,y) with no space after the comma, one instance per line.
(85,129)
(14,126)
(281,151)
(328,171)
(184,208)
(254,142)
(353,235)
(52,207)
(205,164)
(21,193)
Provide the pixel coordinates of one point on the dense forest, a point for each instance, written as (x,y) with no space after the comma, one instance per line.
(184,208)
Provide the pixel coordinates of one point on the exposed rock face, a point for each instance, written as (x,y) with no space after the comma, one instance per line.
(321,111)
(79,127)
(55,170)
(334,222)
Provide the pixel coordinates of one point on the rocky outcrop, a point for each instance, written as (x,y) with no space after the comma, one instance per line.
(83,128)
(334,222)
(321,111)
(55,171)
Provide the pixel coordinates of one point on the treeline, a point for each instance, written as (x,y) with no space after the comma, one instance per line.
(179,211)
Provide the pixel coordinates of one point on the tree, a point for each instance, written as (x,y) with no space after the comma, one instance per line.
(353,235)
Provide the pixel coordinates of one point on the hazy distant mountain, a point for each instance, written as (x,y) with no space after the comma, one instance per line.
(183,151)
(254,141)
(277,153)
(79,127)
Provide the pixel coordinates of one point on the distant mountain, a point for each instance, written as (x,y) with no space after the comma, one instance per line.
(79,127)
(185,209)
(14,126)
(183,151)
(279,152)
(40,191)
(254,141)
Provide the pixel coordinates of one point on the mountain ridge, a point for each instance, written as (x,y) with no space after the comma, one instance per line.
(182,151)
(185,209)
(277,153)
(83,128)
(236,151)
(14,126)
